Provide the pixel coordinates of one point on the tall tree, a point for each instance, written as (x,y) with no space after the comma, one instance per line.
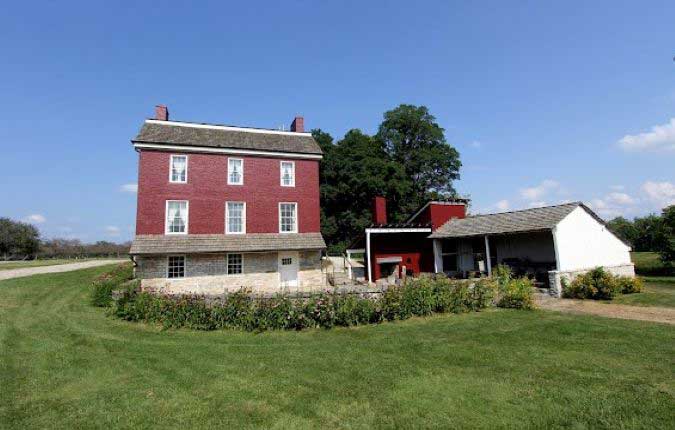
(665,239)
(623,228)
(354,171)
(18,239)
(412,137)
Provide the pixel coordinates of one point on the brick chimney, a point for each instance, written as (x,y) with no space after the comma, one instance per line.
(298,124)
(379,210)
(161,113)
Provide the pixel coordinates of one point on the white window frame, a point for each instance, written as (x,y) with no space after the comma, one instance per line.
(166,217)
(297,216)
(171,168)
(227,218)
(184,266)
(281,173)
(228,171)
(227,263)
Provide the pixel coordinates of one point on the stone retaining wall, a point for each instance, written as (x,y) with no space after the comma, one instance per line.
(555,277)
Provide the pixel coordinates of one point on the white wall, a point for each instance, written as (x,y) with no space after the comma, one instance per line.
(582,242)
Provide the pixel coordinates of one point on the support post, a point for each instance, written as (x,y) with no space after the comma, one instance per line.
(349,264)
(368,255)
(438,259)
(487,256)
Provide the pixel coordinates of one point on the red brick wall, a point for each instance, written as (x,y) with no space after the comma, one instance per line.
(207,191)
(379,210)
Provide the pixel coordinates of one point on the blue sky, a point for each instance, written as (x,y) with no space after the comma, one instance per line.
(545,102)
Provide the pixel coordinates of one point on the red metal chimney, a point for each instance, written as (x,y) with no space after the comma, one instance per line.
(298,124)
(161,113)
(379,210)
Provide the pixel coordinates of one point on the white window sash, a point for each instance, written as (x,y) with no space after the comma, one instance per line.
(294,219)
(291,171)
(170,215)
(227,218)
(230,171)
(171,169)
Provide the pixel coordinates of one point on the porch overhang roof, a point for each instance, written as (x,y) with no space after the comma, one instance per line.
(209,243)
(529,220)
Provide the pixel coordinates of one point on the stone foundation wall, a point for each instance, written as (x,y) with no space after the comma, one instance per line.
(555,277)
(207,274)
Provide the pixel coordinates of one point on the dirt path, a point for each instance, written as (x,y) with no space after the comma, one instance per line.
(18,273)
(642,313)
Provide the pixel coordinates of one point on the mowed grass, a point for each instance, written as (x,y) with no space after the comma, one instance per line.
(659,291)
(64,364)
(11,265)
(650,264)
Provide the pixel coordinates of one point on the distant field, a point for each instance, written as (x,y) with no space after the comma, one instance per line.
(649,263)
(10,265)
(659,291)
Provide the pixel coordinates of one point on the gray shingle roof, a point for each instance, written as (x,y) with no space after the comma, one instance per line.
(202,243)
(255,139)
(508,222)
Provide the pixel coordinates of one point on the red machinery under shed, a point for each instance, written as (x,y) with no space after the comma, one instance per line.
(404,248)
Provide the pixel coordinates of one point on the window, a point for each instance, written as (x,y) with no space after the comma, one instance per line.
(288,218)
(235,217)
(449,254)
(235,171)
(287,174)
(286,261)
(235,264)
(176,216)
(178,171)
(175,266)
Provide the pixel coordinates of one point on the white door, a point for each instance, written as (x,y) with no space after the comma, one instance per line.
(288,269)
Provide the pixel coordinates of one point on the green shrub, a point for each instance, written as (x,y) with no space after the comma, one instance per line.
(240,310)
(596,284)
(103,285)
(628,285)
(513,293)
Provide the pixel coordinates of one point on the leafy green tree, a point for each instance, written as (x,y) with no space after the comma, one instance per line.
(665,240)
(408,162)
(647,231)
(623,228)
(18,239)
(355,170)
(412,137)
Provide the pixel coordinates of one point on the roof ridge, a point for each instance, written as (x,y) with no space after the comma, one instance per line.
(177,123)
(575,203)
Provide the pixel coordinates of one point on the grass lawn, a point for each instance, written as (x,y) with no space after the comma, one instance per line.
(659,291)
(10,265)
(649,263)
(64,364)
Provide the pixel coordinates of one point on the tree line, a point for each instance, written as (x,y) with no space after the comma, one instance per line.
(21,241)
(408,161)
(650,233)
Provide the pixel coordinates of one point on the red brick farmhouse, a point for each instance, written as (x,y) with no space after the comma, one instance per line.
(223,207)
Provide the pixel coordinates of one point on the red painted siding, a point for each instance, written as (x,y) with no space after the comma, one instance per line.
(409,246)
(440,214)
(207,191)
